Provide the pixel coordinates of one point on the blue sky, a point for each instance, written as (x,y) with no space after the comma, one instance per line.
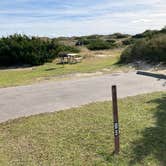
(80,17)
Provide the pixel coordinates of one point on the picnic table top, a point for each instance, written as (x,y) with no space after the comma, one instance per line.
(72,54)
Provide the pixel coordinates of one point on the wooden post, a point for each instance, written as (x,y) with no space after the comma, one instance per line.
(115,119)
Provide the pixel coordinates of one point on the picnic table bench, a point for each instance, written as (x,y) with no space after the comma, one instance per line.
(69,58)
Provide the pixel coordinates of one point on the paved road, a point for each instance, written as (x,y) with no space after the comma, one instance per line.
(54,96)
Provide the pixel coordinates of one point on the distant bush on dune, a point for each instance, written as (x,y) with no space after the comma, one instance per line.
(66,49)
(151,49)
(128,41)
(99,42)
(111,41)
(21,49)
(98,45)
(101,45)
(82,41)
(119,36)
(149,33)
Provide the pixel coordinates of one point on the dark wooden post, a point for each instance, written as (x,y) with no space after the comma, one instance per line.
(115,119)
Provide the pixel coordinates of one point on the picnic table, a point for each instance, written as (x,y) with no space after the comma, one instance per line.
(69,58)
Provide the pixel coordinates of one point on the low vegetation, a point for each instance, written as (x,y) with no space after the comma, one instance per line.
(84,135)
(97,44)
(21,50)
(102,42)
(147,49)
(92,63)
(150,33)
(101,45)
(149,46)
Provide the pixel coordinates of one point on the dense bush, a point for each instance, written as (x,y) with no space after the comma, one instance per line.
(100,45)
(148,49)
(82,41)
(96,44)
(128,41)
(21,49)
(118,36)
(149,33)
(94,37)
(66,49)
(111,41)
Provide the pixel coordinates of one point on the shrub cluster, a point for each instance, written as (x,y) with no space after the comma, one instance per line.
(96,44)
(118,36)
(148,49)
(82,41)
(100,45)
(149,33)
(21,49)
(128,41)
(66,49)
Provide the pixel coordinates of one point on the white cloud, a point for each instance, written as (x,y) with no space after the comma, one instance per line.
(104,19)
(142,21)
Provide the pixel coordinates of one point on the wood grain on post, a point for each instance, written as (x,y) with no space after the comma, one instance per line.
(115,119)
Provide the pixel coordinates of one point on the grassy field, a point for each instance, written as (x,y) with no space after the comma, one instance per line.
(84,135)
(91,63)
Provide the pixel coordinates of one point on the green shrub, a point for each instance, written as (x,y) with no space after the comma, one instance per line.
(147,49)
(82,41)
(118,36)
(21,49)
(93,37)
(111,41)
(100,45)
(121,36)
(149,33)
(128,41)
(67,49)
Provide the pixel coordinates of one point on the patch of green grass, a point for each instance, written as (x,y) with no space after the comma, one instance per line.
(52,70)
(84,135)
